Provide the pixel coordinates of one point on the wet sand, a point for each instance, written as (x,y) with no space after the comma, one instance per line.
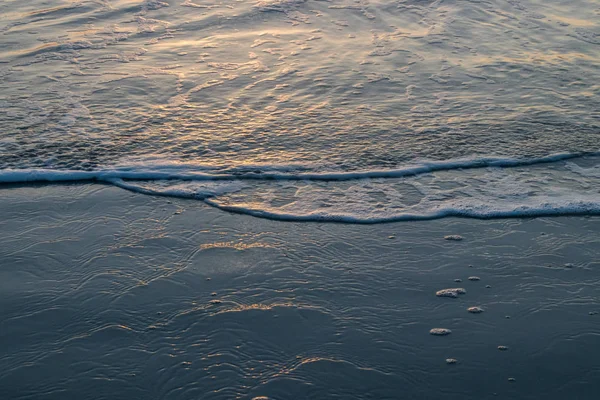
(109,294)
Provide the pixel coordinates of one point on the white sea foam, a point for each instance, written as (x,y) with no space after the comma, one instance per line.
(440,331)
(453,292)
(183,171)
(477,188)
(475,310)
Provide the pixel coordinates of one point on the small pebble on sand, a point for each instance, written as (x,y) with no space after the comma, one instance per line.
(440,331)
(456,238)
(213,294)
(474,278)
(475,310)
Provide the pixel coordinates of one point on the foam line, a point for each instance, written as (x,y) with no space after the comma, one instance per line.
(124,178)
(187,173)
(476,211)
(575,207)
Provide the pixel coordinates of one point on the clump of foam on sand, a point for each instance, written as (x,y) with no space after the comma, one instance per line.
(440,331)
(475,310)
(455,238)
(451,292)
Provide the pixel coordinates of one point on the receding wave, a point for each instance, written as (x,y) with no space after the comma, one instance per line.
(473,188)
(575,207)
(186,172)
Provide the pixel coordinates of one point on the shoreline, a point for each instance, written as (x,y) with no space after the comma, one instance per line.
(132,295)
(564,212)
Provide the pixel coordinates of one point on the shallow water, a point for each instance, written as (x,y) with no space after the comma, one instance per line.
(108,294)
(310,87)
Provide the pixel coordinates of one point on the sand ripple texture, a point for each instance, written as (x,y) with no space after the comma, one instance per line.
(109,294)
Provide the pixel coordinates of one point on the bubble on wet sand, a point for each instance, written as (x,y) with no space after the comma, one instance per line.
(440,331)
(475,310)
(474,278)
(452,292)
(456,238)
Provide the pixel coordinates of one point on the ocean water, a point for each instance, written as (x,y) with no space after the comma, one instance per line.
(354,111)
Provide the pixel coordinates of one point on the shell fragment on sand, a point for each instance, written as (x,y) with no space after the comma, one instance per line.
(475,310)
(440,331)
(452,292)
